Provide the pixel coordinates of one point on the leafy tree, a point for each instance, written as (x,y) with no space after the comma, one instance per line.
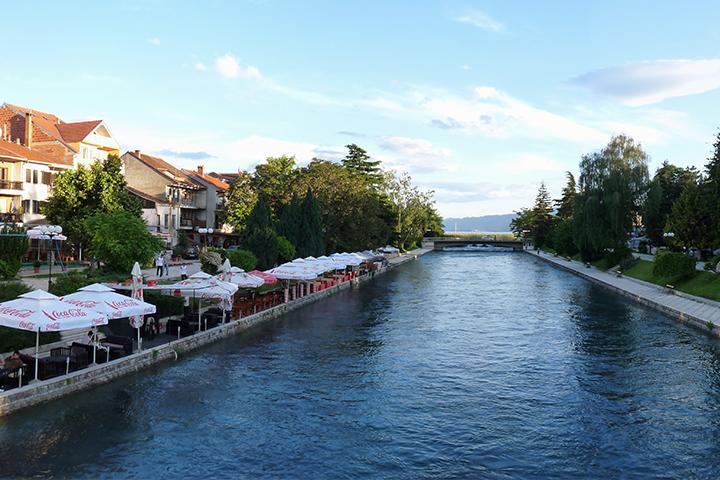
(290,221)
(119,239)
(612,186)
(690,219)
(310,235)
(286,250)
(665,188)
(414,209)
(12,249)
(521,225)
(710,193)
(240,201)
(358,160)
(562,239)
(275,180)
(353,216)
(244,259)
(542,218)
(80,193)
(565,205)
(259,235)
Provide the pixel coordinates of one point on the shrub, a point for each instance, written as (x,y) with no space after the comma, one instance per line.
(166,304)
(9,268)
(244,259)
(12,248)
(616,256)
(210,262)
(627,263)
(220,251)
(286,250)
(643,246)
(711,264)
(70,283)
(11,338)
(673,265)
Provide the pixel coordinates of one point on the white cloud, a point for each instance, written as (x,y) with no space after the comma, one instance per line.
(416,155)
(650,82)
(229,66)
(531,163)
(154,41)
(199,66)
(481,20)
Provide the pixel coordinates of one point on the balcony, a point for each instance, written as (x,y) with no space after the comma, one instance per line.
(10,185)
(191,224)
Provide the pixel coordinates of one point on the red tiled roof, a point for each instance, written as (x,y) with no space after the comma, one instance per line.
(46,121)
(14,150)
(77,131)
(216,182)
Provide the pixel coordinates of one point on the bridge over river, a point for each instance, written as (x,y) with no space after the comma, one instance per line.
(438,243)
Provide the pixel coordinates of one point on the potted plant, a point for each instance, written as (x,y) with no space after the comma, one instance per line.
(36,266)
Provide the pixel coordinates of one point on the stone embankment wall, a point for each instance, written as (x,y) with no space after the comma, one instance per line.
(52,389)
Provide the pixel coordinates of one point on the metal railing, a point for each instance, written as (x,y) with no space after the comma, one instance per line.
(10,185)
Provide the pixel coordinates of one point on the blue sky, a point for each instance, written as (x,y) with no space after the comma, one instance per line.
(477,100)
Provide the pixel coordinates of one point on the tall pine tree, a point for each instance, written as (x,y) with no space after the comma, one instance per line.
(310,241)
(542,219)
(358,160)
(290,221)
(259,235)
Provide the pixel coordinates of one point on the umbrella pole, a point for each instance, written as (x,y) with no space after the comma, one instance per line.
(94,344)
(199,312)
(37,353)
(139,341)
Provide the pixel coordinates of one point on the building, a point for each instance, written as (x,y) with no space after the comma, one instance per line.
(26,178)
(34,147)
(215,193)
(172,200)
(81,142)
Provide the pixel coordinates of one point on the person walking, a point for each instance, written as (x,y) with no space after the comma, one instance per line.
(159,262)
(166,263)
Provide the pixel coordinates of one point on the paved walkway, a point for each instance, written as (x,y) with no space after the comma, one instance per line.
(676,304)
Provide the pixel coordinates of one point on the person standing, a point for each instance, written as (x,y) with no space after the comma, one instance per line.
(183,272)
(159,265)
(166,263)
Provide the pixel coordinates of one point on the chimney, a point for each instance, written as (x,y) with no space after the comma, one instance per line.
(137,153)
(200,170)
(28,130)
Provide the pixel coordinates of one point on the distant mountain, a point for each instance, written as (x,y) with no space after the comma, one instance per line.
(484,224)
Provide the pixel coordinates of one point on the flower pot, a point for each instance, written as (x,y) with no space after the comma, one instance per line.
(36,269)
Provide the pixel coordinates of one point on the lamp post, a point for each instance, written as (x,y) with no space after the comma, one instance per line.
(50,233)
(204,233)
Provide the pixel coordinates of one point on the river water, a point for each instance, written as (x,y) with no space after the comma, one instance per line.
(459,365)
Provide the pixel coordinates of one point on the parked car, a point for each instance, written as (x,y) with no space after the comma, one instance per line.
(191,253)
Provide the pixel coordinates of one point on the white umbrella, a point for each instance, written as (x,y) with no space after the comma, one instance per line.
(104,300)
(237,276)
(137,293)
(40,311)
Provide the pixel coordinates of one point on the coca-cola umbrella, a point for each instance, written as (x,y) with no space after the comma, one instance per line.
(41,311)
(105,300)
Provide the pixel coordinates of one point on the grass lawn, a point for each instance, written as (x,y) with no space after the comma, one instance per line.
(702,284)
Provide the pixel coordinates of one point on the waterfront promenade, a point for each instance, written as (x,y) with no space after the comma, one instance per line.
(57,387)
(695,311)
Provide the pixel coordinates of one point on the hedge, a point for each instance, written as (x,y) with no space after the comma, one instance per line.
(673,265)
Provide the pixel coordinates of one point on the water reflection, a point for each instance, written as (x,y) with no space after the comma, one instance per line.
(455,366)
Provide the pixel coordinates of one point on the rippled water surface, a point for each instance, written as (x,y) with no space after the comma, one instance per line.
(455,366)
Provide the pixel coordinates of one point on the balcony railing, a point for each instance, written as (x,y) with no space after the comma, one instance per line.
(10,185)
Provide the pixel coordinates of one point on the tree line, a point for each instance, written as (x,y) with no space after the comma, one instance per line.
(614,196)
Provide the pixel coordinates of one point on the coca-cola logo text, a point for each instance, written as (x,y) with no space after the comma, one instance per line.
(64,314)
(16,312)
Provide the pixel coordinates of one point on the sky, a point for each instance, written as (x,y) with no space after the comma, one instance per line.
(478,101)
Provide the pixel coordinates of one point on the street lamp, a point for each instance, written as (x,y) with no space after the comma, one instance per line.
(204,232)
(50,233)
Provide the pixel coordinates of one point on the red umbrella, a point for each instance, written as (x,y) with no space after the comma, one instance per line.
(265,276)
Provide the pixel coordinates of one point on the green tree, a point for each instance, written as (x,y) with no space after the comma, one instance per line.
(290,220)
(259,235)
(13,245)
(80,193)
(612,186)
(521,225)
(414,209)
(710,193)
(240,201)
(565,205)
(275,180)
(665,188)
(310,237)
(119,239)
(358,160)
(286,250)
(562,239)
(244,259)
(690,219)
(542,218)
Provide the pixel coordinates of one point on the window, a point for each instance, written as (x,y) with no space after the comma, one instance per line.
(28,175)
(4,173)
(166,220)
(47,178)
(26,204)
(35,176)
(37,206)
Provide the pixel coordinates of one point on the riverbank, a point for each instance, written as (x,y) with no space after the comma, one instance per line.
(46,390)
(701,313)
